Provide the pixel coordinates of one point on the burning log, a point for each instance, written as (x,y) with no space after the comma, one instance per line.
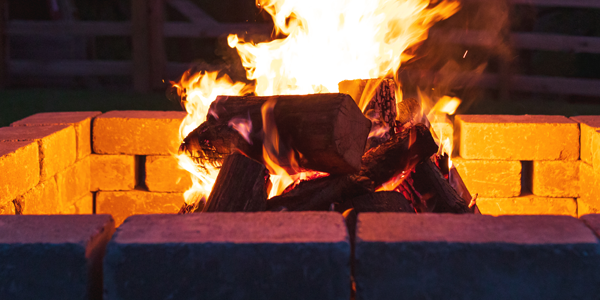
(241,186)
(437,195)
(323,132)
(397,155)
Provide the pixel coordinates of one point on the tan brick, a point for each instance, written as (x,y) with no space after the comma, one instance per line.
(589,200)
(555,178)
(587,125)
(73,183)
(112,172)
(527,205)
(57,145)
(7,208)
(81,121)
(82,206)
(163,174)
(595,151)
(502,137)
(43,199)
(137,132)
(19,169)
(490,178)
(124,204)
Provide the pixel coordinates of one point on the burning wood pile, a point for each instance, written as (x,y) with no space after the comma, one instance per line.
(335,156)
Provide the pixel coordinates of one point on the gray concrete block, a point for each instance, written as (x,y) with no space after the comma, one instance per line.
(443,256)
(593,222)
(53,257)
(229,256)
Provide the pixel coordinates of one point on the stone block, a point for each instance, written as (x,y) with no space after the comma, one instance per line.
(113,172)
(592,221)
(19,169)
(587,125)
(53,257)
(124,204)
(81,121)
(57,145)
(163,174)
(490,178)
(589,200)
(555,178)
(229,256)
(137,132)
(81,206)
(503,137)
(595,149)
(7,208)
(446,256)
(73,183)
(43,199)
(527,205)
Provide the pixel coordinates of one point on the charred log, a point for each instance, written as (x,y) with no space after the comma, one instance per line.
(382,202)
(240,186)
(324,132)
(437,195)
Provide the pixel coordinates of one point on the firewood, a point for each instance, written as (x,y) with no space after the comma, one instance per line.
(399,154)
(325,132)
(381,202)
(437,195)
(240,186)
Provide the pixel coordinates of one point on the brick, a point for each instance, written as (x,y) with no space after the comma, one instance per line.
(7,208)
(19,169)
(490,178)
(43,199)
(113,172)
(73,183)
(81,121)
(596,151)
(124,204)
(527,205)
(589,200)
(555,178)
(230,256)
(53,257)
(503,137)
(163,174)
(81,206)
(57,145)
(446,256)
(587,125)
(137,132)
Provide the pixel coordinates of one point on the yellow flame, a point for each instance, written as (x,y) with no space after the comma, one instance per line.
(447,105)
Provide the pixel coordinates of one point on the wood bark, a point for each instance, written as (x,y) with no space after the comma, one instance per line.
(437,195)
(324,132)
(240,186)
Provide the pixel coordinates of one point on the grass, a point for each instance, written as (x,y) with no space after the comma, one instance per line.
(16,104)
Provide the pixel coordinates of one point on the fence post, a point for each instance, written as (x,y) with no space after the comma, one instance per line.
(149,59)
(158,57)
(3,43)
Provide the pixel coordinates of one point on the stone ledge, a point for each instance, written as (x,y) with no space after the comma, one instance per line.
(137,132)
(229,256)
(444,256)
(53,257)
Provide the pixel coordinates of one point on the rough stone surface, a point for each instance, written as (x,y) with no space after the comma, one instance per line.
(229,256)
(588,125)
(81,120)
(589,200)
(57,145)
(43,199)
(490,178)
(555,178)
(163,174)
(124,204)
(52,257)
(503,137)
(113,172)
(83,205)
(593,222)
(73,183)
(596,151)
(137,132)
(445,256)
(7,208)
(19,169)
(527,205)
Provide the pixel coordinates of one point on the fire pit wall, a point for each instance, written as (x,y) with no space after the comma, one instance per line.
(121,163)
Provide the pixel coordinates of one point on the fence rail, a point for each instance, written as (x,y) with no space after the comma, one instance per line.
(149,65)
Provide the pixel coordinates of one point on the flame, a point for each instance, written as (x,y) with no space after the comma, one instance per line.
(243,127)
(198,91)
(447,105)
(331,41)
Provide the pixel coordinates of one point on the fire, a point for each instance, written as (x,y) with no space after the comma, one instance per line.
(325,43)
